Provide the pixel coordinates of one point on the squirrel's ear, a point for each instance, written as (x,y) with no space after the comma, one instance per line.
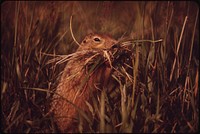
(90,34)
(89,31)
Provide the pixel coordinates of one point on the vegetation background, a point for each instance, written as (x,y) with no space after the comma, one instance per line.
(168,81)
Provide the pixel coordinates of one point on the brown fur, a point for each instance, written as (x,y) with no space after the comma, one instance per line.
(70,88)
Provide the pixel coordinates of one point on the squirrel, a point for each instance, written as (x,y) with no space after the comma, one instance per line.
(74,87)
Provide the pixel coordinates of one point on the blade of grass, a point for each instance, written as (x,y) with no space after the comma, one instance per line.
(3,89)
(102,112)
(72,32)
(177,50)
(133,114)
(196,83)
(123,105)
(135,73)
(192,43)
(17,7)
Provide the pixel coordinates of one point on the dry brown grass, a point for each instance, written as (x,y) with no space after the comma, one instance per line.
(160,94)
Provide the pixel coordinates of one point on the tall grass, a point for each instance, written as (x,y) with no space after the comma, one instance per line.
(160,93)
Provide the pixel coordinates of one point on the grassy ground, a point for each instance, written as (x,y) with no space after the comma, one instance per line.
(163,95)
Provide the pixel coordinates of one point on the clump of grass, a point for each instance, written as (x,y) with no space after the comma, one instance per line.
(156,83)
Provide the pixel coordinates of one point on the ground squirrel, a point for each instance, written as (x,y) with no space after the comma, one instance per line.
(74,74)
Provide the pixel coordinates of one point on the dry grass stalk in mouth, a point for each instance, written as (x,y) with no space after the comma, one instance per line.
(88,68)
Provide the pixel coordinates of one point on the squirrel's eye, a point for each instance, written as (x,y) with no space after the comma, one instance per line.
(97,40)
